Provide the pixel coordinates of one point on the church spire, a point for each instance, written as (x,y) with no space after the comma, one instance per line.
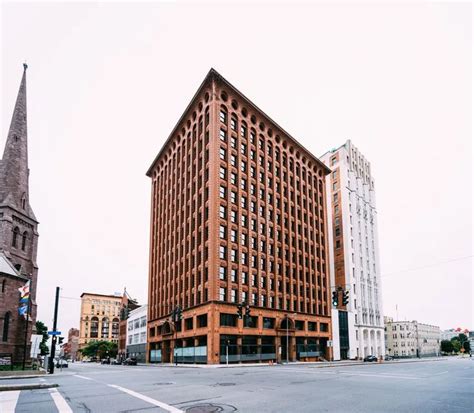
(14,164)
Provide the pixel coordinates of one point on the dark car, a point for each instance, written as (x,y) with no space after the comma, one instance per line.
(105,361)
(131,361)
(388,358)
(370,358)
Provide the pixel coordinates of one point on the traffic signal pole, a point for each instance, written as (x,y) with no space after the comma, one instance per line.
(54,339)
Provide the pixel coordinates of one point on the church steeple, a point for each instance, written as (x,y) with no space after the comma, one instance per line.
(14,164)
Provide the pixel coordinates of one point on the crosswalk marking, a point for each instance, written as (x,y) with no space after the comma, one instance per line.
(59,401)
(82,377)
(164,406)
(8,401)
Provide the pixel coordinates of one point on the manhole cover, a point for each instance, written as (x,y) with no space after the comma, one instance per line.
(210,408)
(224,384)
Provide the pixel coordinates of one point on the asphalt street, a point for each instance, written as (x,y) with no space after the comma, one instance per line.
(430,386)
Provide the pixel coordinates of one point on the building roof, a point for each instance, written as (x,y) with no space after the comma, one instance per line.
(119,297)
(213,74)
(7,268)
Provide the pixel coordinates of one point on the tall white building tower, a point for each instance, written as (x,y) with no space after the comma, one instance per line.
(358,327)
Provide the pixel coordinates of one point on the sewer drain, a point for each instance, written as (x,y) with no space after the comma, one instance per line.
(210,408)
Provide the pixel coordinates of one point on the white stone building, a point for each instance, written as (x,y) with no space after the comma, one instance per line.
(358,329)
(411,339)
(137,333)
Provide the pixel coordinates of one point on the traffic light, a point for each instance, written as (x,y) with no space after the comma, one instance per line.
(239,311)
(345,297)
(335,298)
(247,311)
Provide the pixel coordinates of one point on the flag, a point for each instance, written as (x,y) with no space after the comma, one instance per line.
(25,289)
(25,298)
(23,310)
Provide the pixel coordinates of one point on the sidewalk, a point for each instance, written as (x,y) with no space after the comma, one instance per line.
(316,364)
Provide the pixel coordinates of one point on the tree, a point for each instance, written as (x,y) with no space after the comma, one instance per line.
(447,346)
(456,344)
(43,330)
(100,349)
(464,342)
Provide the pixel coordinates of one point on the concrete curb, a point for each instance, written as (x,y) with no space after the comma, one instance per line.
(25,376)
(30,386)
(319,365)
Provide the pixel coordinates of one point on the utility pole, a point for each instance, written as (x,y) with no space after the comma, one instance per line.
(55,338)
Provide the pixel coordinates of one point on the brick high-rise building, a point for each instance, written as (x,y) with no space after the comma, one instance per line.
(358,327)
(237,215)
(18,234)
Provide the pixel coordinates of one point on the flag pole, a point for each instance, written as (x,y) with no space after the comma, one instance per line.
(26,330)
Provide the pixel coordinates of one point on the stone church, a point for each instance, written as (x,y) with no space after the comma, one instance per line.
(18,234)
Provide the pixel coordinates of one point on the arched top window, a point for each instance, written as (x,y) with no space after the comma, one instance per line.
(6,325)
(16,232)
(23,240)
(4,283)
(23,201)
(287,323)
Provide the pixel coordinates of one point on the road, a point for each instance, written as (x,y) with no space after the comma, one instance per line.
(430,386)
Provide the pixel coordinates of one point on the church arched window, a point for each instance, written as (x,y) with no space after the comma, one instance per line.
(16,232)
(23,240)
(23,201)
(6,325)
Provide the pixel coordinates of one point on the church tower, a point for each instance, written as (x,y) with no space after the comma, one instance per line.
(18,224)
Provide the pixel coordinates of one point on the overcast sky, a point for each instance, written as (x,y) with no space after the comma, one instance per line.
(107,83)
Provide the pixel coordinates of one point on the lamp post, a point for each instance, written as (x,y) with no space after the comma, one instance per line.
(287,351)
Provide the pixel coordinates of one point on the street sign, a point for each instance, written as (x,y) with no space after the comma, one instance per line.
(329,343)
(54,333)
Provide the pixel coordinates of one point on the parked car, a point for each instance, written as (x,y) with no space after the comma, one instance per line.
(105,361)
(115,361)
(370,358)
(131,361)
(388,358)
(61,363)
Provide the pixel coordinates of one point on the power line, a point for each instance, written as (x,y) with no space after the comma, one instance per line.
(428,266)
(70,298)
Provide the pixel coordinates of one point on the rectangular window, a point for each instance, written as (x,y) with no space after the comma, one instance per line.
(223,116)
(223,135)
(222,172)
(222,192)
(222,252)
(233,275)
(228,320)
(222,232)
(222,153)
(222,273)
(233,124)
(221,294)
(233,235)
(222,212)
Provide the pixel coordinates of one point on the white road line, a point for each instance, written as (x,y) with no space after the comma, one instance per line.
(59,401)
(383,376)
(8,401)
(83,377)
(147,399)
(42,380)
